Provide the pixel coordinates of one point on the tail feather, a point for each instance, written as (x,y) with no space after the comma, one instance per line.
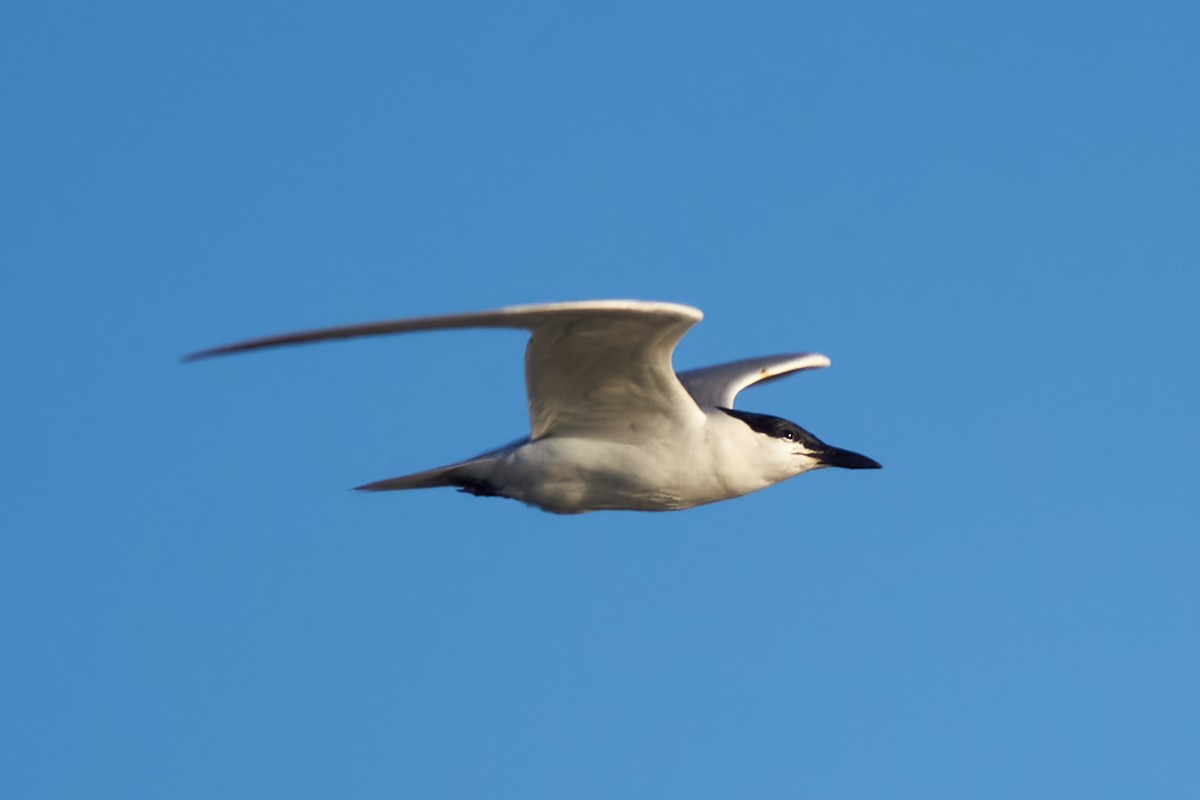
(460,475)
(441,476)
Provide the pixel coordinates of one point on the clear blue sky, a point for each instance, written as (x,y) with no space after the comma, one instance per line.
(987,215)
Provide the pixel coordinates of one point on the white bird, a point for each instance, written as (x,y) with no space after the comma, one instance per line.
(612,426)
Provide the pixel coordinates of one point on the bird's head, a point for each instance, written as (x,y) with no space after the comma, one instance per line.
(798,448)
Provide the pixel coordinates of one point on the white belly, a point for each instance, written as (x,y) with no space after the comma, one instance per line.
(569,476)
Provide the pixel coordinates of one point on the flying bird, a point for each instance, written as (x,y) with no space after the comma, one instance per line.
(612,425)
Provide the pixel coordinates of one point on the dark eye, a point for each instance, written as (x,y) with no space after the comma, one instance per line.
(789,435)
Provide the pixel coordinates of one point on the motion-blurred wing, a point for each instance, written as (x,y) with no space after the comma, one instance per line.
(719,385)
(598,367)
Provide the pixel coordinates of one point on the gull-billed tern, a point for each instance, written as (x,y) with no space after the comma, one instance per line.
(612,425)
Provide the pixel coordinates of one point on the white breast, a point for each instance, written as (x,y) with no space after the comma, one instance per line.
(676,469)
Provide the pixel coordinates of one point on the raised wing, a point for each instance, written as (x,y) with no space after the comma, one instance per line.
(719,385)
(599,367)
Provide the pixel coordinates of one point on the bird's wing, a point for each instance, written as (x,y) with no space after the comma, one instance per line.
(600,367)
(719,385)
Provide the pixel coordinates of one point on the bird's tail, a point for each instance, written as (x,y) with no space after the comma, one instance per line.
(460,475)
(469,476)
(441,476)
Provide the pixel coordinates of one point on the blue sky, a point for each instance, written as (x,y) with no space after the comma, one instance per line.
(985,214)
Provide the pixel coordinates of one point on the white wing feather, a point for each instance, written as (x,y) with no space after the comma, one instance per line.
(717,386)
(598,367)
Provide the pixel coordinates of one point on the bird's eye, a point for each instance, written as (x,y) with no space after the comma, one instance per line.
(789,435)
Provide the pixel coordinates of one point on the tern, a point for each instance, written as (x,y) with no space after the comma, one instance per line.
(612,425)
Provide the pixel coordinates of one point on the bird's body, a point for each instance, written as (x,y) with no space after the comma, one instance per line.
(612,425)
(683,467)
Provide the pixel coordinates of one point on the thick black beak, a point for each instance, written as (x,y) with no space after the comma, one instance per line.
(837,457)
